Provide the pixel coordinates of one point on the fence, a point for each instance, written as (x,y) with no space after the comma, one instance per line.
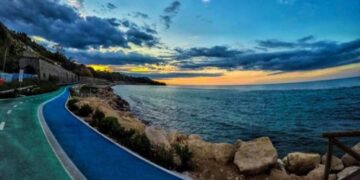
(7,77)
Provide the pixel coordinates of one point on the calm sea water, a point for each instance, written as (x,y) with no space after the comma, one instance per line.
(292,115)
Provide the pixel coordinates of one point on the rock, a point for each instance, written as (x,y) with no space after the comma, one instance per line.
(238,143)
(349,160)
(223,152)
(174,137)
(316,174)
(301,163)
(277,174)
(220,152)
(336,163)
(201,150)
(280,165)
(195,137)
(255,156)
(347,171)
(157,137)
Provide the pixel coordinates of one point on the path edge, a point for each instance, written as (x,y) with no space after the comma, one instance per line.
(65,161)
(176,174)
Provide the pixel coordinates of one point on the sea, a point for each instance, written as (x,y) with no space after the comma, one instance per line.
(293,115)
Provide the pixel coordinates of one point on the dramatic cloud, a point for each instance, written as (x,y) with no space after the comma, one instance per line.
(77,4)
(173,75)
(111,6)
(169,13)
(139,15)
(298,57)
(305,42)
(62,24)
(112,58)
(216,51)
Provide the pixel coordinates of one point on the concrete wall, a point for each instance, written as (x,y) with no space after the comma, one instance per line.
(45,69)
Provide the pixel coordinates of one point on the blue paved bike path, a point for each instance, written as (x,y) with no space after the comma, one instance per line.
(95,156)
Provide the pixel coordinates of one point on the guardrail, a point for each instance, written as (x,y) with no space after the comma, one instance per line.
(332,137)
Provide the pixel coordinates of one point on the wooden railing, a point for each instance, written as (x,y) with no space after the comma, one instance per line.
(332,137)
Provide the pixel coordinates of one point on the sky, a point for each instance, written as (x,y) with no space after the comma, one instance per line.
(199,42)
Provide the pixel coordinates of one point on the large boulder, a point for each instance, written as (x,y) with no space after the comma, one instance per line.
(157,137)
(316,174)
(223,152)
(253,157)
(277,174)
(220,152)
(336,163)
(349,160)
(347,171)
(200,149)
(301,163)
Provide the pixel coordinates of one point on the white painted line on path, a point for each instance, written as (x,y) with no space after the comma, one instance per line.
(2,125)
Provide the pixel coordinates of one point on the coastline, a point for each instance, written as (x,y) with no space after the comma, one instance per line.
(219,160)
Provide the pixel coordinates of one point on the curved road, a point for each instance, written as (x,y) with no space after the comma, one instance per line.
(94,155)
(24,150)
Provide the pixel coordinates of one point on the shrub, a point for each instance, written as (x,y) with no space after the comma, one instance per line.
(185,156)
(72,105)
(163,157)
(109,125)
(87,89)
(72,92)
(141,144)
(85,110)
(97,117)
(124,136)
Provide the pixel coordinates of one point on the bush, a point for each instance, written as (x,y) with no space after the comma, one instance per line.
(185,156)
(97,117)
(141,144)
(108,126)
(86,89)
(72,92)
(72,105)
(163,157)
(85,110)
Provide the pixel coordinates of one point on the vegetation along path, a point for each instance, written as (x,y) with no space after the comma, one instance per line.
(93,154)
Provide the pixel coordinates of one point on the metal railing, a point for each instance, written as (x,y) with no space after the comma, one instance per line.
(332,137)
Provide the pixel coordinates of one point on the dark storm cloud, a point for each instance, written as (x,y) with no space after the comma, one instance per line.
(113,58)
(273,43)
(141,38)
(111,6)
(305,42)
(317,55)
(169,13)
(63,25)
(216,51)
(173,75)
(139,15)
(306,38)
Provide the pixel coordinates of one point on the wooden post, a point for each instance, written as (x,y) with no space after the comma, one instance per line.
(328,159)
(346,149)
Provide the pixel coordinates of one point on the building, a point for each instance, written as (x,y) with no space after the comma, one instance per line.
(46,69)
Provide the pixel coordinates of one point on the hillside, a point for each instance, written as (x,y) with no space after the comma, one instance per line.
(19,43)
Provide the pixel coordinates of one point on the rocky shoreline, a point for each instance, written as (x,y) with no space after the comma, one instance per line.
(255,159)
